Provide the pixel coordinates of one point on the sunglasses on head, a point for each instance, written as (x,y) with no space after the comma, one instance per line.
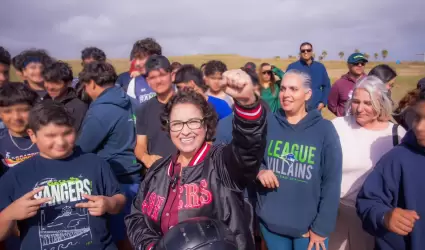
(268,72)
(306,50)
(359,64)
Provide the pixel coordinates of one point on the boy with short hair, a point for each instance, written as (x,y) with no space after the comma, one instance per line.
(16,100)
(213,75)
(61,197)
(5,61)
(108,130)
(31,64)
(57,79)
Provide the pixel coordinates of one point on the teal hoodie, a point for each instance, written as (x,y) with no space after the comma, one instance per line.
(307,160)
(108,130)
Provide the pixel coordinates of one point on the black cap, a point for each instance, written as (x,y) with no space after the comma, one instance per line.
(156,62)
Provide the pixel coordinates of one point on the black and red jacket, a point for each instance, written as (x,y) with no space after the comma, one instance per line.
(211,186)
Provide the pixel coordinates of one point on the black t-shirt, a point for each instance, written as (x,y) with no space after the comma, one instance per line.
(148,123)
(14,150)
(58,223)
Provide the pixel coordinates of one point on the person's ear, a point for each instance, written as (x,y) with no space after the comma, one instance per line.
(32,135)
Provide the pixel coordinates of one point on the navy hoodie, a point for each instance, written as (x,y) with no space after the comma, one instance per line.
(396,181)
(108,130)
(307,160)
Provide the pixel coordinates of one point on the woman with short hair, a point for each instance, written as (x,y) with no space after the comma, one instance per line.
(301,176)
(202,180)
(366,134)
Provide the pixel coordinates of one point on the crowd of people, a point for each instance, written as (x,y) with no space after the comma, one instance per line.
(108,161)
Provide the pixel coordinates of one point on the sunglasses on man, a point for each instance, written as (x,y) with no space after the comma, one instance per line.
(359,64)
(306,50)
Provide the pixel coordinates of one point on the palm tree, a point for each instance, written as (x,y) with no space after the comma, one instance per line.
(376,55)
(356,51)
(341,54)
(384,53)
(324,54)
(366,55)
(320,58)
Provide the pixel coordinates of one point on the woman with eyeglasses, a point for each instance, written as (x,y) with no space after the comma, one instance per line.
(269,85)
(202,180)
(366,135)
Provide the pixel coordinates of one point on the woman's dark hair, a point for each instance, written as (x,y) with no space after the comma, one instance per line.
(102,73)
(409,100)
(93,52)
(189,72)
(191,97)
(49,111)
(144,48)
(58,71)
(214,66)
(272,78)
(17,93)
(5,56)
(384,72)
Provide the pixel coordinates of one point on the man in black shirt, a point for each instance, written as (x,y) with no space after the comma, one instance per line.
(152,142)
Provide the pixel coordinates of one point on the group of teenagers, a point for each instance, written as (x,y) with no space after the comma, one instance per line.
(107,161)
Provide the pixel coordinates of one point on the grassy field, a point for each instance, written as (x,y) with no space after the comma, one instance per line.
(409,73)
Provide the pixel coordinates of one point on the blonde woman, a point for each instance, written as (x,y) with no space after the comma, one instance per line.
(366,134)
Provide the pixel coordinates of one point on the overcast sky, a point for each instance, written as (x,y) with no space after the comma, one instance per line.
(261,28)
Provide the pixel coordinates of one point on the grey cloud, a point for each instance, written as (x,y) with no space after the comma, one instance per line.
(252,28)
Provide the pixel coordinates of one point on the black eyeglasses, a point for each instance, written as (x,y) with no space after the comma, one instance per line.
(361,64)
(306,50)
(177,126)
(268,72)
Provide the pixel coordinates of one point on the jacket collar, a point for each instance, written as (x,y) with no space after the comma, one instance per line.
(196,159)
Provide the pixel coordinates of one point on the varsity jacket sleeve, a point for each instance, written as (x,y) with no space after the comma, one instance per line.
(140,235)
(243,156)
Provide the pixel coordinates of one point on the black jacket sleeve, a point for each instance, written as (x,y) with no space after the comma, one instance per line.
(141,236)
(241,159)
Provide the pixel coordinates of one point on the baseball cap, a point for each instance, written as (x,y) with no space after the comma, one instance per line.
(421,84)
(356,58)
(156,62)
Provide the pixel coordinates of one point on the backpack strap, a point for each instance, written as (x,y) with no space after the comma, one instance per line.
(395,135)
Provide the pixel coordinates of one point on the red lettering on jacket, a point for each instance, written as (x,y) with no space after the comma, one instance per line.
(196,195)
(159,202)
(206,195)
(152,199)
(145,203)
(192,196)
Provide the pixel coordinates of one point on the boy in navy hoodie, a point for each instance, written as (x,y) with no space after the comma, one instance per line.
(391,203)
(108,130)
(60,198)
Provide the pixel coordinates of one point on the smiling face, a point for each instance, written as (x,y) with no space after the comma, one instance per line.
(54,141)
(15,117)
(362,107)
(160,81)
(293,95)
(55,89)
(33,72)
(187,130)
(306,52)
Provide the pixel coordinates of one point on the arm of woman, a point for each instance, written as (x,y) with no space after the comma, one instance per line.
(238,162)
(139,233)
(331,168)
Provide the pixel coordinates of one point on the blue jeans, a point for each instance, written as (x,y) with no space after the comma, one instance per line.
(117,225)
(280,242)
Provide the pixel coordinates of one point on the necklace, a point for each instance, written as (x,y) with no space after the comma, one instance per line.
(16,145)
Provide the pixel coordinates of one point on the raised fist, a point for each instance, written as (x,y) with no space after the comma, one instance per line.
(237,84)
